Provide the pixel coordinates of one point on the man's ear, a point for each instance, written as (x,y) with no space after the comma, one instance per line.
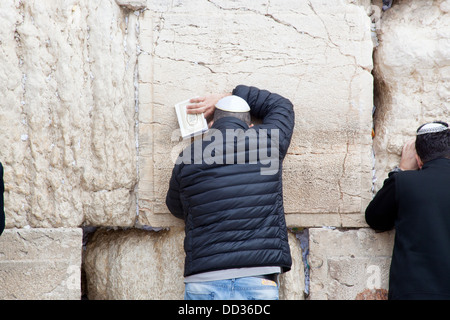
(419,161)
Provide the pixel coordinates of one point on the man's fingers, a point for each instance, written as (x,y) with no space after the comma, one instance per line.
(408,160)
(197,100)
(197,105)
(195,108)
(205,105)
(410,145)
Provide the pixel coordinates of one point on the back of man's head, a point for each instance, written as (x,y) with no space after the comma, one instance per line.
(244,116)
(233,106)
(433,141)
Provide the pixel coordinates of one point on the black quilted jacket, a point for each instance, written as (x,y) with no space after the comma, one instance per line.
(233,208)
(417,204)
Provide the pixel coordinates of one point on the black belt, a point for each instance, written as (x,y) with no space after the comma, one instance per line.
(272,277)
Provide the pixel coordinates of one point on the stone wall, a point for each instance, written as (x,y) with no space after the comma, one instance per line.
(320,54)
(40,263)
(412,71)
(67,114)
(90,133)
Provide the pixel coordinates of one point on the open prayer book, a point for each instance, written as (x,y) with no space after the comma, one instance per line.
(190,124)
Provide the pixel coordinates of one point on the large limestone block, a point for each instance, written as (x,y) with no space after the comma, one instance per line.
(412,71)
(40,264)
(316,53)
(348,265)
(137,264)
(67,112)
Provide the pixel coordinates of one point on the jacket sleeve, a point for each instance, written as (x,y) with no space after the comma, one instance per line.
(274,110)
(173,200)
(2,209)
(382,210)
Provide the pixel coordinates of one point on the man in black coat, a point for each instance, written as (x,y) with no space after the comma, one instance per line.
(415,199)
(2,210)
(227,187)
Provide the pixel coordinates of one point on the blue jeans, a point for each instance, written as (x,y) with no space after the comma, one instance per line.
(246,288)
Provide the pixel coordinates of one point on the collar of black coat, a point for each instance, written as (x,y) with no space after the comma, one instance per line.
(229,123)
(439,162)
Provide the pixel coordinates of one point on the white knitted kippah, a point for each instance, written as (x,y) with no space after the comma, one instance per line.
(432,127)
(233,104)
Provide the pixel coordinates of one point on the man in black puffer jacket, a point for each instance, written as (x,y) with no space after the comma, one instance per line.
(228,189)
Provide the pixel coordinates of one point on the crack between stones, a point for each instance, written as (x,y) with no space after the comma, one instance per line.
(268,15)
(136,116)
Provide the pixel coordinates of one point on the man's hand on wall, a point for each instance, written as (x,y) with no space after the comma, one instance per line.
(205,105)
(409,159)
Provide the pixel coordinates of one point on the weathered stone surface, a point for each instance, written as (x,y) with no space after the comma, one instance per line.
(292,283)
(316,53)
(135,264)
(132,4)
(138,264)
(412,71)
(347,265)
(67,107)
(40,264)
(373,294)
